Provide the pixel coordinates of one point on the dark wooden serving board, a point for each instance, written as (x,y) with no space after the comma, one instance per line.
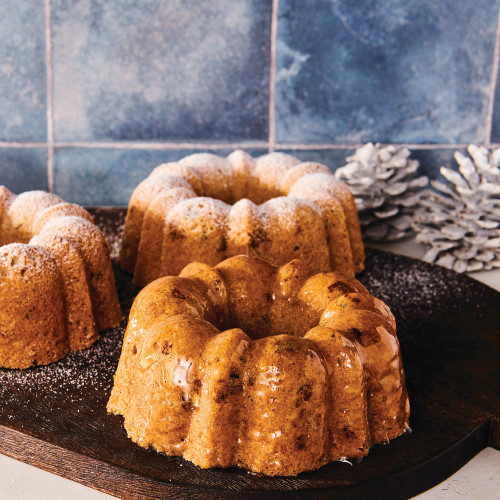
(54,417)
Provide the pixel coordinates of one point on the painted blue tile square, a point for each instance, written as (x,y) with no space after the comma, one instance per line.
(101,176)
(23,169)
(388,71)
(156,70)
(23,101)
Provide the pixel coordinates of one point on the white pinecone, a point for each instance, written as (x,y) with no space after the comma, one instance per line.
(461,219)
(383,182)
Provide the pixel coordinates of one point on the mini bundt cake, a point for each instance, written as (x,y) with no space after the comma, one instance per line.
(268,368)
(206,208)
(57,287)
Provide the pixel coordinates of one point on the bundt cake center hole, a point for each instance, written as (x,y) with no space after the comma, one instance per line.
(269,325)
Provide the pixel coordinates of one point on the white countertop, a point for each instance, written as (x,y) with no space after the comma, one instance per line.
(478,479)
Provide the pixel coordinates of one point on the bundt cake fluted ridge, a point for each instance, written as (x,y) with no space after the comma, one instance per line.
(263,367)
(207,208)
(57,288)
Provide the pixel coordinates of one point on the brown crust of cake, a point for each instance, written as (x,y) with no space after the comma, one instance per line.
(263,367)
(273,207)
(57,288)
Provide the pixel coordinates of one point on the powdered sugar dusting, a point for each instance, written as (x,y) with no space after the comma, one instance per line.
(25,260)
(413,289)
(90,371)
(283,211)
(215,172)
(320,184)
(111,228)
(91,368)
(31,202)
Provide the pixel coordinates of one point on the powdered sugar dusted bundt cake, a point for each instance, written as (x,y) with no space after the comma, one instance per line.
(268,368)
(207,208)
(57,287)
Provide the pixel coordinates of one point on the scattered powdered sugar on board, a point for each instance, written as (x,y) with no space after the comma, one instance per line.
(111,223)
(412,288)
(80,373)
(89,369)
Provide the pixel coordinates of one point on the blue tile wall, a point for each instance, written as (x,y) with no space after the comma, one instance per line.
(108,176)
(95,93)
(431,160)
(387,71)
(23,94)
(153,70)
(23,169)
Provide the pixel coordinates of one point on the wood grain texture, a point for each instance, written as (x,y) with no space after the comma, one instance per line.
(55,418)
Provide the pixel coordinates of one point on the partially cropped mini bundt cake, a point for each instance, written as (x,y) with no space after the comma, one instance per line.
(206,208)
(268,368)
(57,288)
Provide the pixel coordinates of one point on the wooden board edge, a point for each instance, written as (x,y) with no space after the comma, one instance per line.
(90,472)
(123,483)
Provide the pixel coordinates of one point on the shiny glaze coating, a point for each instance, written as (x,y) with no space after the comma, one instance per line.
(263,367)
(57,288)
(207,208)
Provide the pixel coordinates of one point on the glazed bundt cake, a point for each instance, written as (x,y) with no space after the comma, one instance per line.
(268,368)
(207,208)
(57,288)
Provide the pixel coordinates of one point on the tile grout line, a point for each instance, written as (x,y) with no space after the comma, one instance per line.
(144,145)
(165,146)
(433,146)
(50,95)
(493,81)
(272,76)
(14,144)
